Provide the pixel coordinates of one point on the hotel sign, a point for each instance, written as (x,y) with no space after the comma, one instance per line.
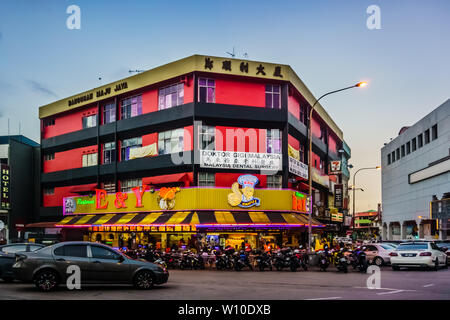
(5,187)
(298,168)
(240,160)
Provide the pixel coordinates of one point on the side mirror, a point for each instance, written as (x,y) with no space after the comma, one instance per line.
(121,259)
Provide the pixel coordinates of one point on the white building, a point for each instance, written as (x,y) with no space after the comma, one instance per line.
(416,167)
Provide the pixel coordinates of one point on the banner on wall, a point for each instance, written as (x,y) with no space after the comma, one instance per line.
(298,168)
(240,160)
(142,152)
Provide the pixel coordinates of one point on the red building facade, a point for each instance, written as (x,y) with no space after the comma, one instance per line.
(125,134)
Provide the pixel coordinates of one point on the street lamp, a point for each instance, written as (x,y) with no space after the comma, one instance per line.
(358,85)
(354,189)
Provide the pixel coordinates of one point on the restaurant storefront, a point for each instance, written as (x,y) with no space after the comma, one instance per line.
(193,217)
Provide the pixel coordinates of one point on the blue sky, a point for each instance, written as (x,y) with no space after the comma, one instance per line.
(326,42)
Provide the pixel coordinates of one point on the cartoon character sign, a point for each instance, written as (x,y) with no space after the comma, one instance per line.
(166,198)
(244,197)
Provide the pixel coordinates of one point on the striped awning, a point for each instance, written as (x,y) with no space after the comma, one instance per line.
(199,219)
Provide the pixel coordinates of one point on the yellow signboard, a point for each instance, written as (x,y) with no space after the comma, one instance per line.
(182,199)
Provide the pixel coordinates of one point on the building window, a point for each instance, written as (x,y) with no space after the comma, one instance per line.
(207,138)
(427,136)
(109,152)
(403,150)
(273,96)
(49,191)
(301,152)
(434,132)
(49,122)
(129,184)
(393,156)
(273,141)
(398,153)
(109,187)
(48,157)
(420,140)
(322,166)
(206,90)
(170,141)
(127,145)
(408,147)
(274,182)
(109,113)
(323,134)
(414,144)
(206,179)
(171,96)
(303,114)
(89,159)
(89,121)
(131,107)
(389,158)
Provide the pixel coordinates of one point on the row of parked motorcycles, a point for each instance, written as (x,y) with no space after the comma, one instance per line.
(343,259)
(229,259)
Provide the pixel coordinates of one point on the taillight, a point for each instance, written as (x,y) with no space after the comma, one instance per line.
(393,254)
(425,254)
(448,253)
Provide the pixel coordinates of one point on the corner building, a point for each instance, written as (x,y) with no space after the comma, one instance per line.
(203,149)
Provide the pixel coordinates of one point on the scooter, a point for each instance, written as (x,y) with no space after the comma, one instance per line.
(324,260)
(340,261)
(241,261)
(263,260)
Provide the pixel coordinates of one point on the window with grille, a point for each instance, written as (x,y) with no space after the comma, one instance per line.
(273,96)
(129,184)
(427,136)
(109,152)
(109,113)
(274,182)
(109,187)
(434,132)
(127,145)
(170,141)
(171,96)
(206,179)
(408,147)
(206,90)
(414,144)
(89,159)
(48,157)
(131,107)
(207,138)
(420,140)
(273,141)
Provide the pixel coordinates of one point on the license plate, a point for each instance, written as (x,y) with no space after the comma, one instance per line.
(409,255)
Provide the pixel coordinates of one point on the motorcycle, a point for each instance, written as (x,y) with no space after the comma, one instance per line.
(198,262)
(360,260)
(263,260)
(186,261)
(324,260)
(340,261)
(241,261)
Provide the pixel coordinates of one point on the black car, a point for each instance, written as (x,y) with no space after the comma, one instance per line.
(8,257)
(97,263)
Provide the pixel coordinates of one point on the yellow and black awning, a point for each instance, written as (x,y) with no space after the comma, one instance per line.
(199,219)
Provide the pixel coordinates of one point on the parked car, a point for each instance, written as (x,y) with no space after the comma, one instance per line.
(445,245)
(418,254)
(98,263)
(8,257)
(378,253)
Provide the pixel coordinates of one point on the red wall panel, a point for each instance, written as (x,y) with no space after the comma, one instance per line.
(66,160)
(293,142)
(150,101)
(69,122)
(57,199)
(188,138)
(294,107)
(240,93)
(332,144)
(315,127)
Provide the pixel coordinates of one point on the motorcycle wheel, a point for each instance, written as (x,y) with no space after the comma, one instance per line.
(279,268)
(261,268)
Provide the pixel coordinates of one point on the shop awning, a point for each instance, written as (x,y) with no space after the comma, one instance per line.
(83,189)
(168,178)
(199,219)
(41,225)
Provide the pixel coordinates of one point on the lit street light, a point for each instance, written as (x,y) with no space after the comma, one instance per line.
(358,85)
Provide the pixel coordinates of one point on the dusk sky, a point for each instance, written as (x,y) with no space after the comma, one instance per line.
(327,43)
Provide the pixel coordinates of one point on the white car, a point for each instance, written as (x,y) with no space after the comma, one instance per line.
(378,253)
(418,254)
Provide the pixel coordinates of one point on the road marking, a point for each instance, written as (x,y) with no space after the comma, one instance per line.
(428,285)
(329,298)
(390,289)
(390,292)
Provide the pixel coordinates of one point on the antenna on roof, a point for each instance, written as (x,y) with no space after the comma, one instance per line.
(136,71)
(232,54)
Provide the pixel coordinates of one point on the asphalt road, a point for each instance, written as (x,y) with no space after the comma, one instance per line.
(212,284)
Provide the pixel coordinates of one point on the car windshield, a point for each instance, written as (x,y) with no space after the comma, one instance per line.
(412,246)
(387,247)
(443,244)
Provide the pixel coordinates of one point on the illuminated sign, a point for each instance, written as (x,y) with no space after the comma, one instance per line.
(240,160)
(245,198)
(335,167)
(300,202)
(166,198)
(5,187)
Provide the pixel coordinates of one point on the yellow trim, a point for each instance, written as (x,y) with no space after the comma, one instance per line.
(290,218)
(66,219)
(224,217)
(194,63)
(104,219)
(195,219)
(84,219)
(177,217)
(126,218)
(150,218)
(259,217)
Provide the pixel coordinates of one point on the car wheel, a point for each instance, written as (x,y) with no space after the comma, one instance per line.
(143,280)
(8,279)
(378,261)
(46,280)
